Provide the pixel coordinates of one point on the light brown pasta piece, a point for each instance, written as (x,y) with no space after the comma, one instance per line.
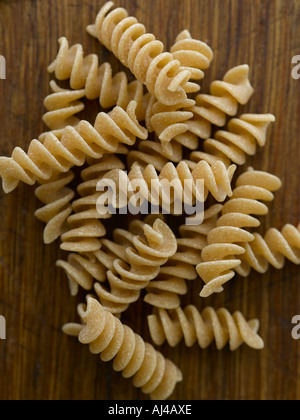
(57,198)
(62,105)
(164,292)
(272,249)
(204,328)
(97,81)
(82,271)
(142,54)
(224,249)
(238,141)
(132,356)
(194,55)
(217,181)
(85,227)
(55,155)
(224,99)
(151,247)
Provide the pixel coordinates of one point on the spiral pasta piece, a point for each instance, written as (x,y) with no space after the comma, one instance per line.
(143,55)
(57,198)
(224,99)
(164,292)
(85,225)
(62,105)
(147,186)
(194,55)
(204,328)
(151,247)
(222,255)
(97,81)
(240,140)
(54,155)
(272,249)
(136,359)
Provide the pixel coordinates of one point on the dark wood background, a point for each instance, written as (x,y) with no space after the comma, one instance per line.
(37,361)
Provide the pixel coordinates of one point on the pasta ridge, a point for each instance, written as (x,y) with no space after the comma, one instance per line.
(142,54)
(238,141)
(224,249)
(132,356)
(272,249)
(193,55)
(203,328)
(151,247)
(224,99)
(164,292)
(85,225)
(110,131)
(62,105)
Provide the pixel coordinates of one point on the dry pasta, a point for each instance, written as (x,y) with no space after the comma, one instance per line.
(60,155)
(57,198)
(165,291)
(97,80)
(204,328)
(143,55)
(224,249)
(194,55)
(151,247)
(224,99)
(62,105)
(238,141)
(107,336)
(272,249)
(85,225)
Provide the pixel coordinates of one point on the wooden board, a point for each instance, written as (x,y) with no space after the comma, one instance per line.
(37,360)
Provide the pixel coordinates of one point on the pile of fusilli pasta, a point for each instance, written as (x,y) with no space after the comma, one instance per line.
(163,127)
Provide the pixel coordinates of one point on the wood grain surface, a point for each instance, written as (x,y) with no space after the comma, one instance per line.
(37,361)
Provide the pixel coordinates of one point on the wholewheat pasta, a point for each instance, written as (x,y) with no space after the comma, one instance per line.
(224,248)
(59,155)
(171,283)
(204,328)
(142,54)
(132,356)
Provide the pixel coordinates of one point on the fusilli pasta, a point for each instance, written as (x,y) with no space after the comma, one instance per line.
(165,291)
(107,336)
(273,249)
(142,54)
(204,328)
(60,155)
(224,249)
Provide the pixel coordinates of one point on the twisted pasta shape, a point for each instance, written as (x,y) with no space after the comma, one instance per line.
(152,187)
(204,328)
(57,198)
(143,55)
(135,358)
(165,291)
(62,106)
(224,249)
(82,271)
(97,80)
(85,226)
(240,140)
(224,99)
(272,250)
(194,55)
(110,131)
(151,248)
